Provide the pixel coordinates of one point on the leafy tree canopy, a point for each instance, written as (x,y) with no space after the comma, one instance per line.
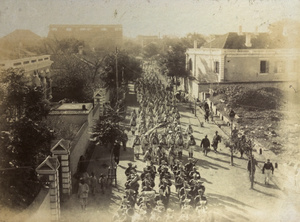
(129,69)
(24,139)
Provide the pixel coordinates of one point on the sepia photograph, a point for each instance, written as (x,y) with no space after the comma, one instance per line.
(149,111)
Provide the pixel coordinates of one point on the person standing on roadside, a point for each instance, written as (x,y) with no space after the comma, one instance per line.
(267,170)
(216,140)
(191,146)
(205,144)
(83,193)
(253,166)
(93,183)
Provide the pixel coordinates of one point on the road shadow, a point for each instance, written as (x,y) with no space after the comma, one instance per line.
(205,180)
(218,159)
(271,186)
(223,202)
(206,165)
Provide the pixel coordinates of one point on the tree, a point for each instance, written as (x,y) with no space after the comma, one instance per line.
(284,34)
(188,41)
(151,50)
(24,139)
(132,47)
(76,69)
(173,62)
(129,69)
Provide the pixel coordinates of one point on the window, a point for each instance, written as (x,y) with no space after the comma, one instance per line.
(264,66)
(17,63)
(216,67)
(103,29)
(279,67)
(190,65)
(25,62)
(68,29)
(54,29)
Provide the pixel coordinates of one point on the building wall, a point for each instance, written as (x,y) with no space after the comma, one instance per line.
(243,65)
(247,67)
(203,64)
(93,35)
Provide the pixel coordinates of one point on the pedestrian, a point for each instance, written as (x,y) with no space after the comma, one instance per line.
(242,145)
(148,156)
(211,115)
(253,166)
(93,183)
(136,146)
(216,140)
(83,193)
(133,125)
(189,129)
(267,169)
(191,146)
(102,182)
(206,115)
(116,151)
(206,106)
(205,144)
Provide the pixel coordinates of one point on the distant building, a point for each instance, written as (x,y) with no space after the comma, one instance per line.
(15,45)
(240,57)
(147,39)
(93,35)
(37,71)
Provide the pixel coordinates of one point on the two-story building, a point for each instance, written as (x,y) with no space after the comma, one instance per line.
(37,71)
(92,35)
(239,58)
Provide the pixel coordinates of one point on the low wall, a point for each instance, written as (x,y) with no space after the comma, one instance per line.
(78,147)
(285,86)
(82,139)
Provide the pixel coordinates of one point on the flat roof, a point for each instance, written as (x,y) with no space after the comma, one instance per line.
(74,106)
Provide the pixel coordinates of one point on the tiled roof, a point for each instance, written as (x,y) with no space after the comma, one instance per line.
(20,35)
(232,40)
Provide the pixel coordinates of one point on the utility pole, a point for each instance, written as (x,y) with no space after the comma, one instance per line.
(231,116)
(117,79)
(252,162)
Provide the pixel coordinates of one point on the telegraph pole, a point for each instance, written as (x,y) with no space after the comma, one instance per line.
(117,79)
(252,162)
(231,116)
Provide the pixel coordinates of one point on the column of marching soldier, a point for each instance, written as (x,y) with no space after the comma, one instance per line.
(159,140)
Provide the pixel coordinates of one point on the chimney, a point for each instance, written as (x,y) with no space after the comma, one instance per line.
(248,40)
(195,44)
(83,107)
(240,30)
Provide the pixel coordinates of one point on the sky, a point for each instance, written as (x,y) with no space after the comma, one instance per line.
(148,17)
